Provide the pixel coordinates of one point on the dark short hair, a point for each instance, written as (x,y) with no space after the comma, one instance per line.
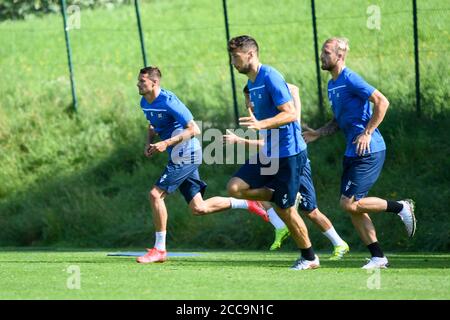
(244,43)
(245,90)
(151,71)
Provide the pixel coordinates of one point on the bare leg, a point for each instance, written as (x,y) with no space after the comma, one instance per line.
(319,219)
(159,211)
(266,205)
(365,228)
(364,205)
(203,207)
(158,252)
(261,194)
(360,219)
(296,226)
(239,189)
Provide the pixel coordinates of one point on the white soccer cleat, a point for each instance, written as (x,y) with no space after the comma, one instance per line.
(376,263)
(303,264)
(408,217)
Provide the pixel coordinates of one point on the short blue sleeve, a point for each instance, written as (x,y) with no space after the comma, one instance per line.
(142,103)
(357,85)
(179,111)
(277,88)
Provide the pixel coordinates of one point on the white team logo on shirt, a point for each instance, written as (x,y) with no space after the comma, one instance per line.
(284,200)
(159,115)
(163,178)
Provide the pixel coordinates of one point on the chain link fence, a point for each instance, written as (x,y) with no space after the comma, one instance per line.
(187,40)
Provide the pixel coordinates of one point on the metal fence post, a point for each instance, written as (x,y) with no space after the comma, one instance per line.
(233,85)
(141,35)
(69,55)
(316,52)
(416,58)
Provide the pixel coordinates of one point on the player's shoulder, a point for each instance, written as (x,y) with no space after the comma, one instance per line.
(168,97)
(171,100)
(269,70)
(350,75)
(270,73)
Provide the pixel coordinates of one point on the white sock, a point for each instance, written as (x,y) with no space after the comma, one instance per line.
(160,240)
(275,219)
(238,203)
(332,235)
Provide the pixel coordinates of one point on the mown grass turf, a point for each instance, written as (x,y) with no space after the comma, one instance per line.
(43,274)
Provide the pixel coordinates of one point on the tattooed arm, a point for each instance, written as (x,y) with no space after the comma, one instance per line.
(329,128)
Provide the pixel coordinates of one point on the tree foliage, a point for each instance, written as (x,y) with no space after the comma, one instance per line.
(23,9)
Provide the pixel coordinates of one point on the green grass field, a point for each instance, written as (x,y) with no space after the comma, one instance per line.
(43,274)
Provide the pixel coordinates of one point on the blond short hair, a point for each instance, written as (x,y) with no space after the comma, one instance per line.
(341,45)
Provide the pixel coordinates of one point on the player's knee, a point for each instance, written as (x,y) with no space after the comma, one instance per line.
(234,189)
(359,207)
(312,215)
(199,210)
(349,206)
(286,214)
(154,195)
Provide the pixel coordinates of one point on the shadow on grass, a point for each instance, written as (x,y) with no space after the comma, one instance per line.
(215,259)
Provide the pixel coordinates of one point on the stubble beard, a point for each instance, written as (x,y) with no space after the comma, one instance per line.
(326,67)
(245,70)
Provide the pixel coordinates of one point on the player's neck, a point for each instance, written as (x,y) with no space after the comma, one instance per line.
(254,71)
(151,96)
(337,71)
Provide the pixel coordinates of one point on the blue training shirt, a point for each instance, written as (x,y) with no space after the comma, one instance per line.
(269,91)
(169,116)
(349,97)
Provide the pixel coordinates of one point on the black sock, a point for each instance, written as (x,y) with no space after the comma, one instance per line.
(394,206)
(308,254)
(375,250)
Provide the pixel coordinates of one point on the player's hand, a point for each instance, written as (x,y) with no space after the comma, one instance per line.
(250,122)
(156,147)
(310,135)
(147,152)
(230,138)
(362,143)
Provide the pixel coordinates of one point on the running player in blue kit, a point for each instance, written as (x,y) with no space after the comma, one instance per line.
(173,122)
(365,152)
(306,198)
(272,175)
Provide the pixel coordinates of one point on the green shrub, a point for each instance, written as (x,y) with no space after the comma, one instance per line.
(22,9)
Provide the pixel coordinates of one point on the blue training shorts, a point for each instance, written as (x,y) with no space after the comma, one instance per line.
(285,183)
(309,201)
(361,173)
(184,177)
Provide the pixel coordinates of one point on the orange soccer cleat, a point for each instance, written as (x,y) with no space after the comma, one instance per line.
(153,255)
(256,208)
